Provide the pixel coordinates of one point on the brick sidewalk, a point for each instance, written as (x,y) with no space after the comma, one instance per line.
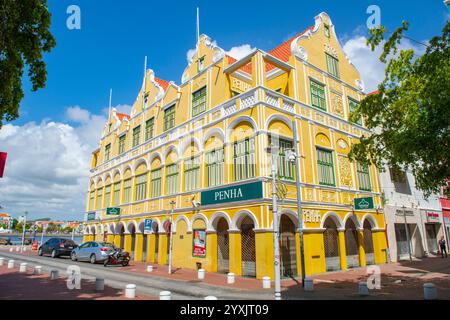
(27,286)
(402,280)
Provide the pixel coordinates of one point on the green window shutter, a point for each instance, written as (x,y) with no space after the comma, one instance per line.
(285,167)
(107,150)
(156,183)
(149,124)
(169,118)
(191,173)
(363,177)
(352,106)
(172,179)
(99,199)
(122,144)
(244,159)
(92,200)
(136,136)
(117,194)
(327,30)
(127,191)
(199,101)
(107,196)
(325,167)
(140,191)
(318,99)
(215,167)
(332,65)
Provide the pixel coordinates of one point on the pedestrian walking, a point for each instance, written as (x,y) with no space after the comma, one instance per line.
(443,246)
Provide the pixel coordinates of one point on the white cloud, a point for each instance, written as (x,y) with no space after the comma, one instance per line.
(240,52)
(48,164)
(367,62)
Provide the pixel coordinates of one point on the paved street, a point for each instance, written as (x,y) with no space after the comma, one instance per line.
(398,281)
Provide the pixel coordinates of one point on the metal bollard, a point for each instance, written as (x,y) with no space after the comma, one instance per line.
(429,291)
(362,289)
(99,284)
(201,274)
(309,284)
(37,270)
(164,295)
(210,298)
(2,261)
(266,282)
(53,274)
(130,291)
(149,268)
(23,267)
(10,264)
(230,278)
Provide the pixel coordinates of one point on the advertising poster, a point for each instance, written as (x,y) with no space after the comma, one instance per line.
(199,249)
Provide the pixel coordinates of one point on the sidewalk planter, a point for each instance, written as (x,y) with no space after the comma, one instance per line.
(99,284)
(165,295)
(362,289)
(429,291)
(23,267)
(130,291)
(230,278)
(266,282)
(53,274)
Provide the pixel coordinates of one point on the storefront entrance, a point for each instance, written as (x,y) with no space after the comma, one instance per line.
(331,245)
(368,243)
(223,259)
(248,247)
(351,244)
(432,241)
(288,250)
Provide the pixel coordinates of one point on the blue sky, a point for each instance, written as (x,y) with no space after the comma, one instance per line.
(108,51)
(49,147)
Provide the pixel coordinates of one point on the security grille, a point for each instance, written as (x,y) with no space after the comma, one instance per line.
(431,238)
(156,246)
(351,245)
(223,259)
(288,248)
(248,248)
(133,245)
(331,244)
(368,244)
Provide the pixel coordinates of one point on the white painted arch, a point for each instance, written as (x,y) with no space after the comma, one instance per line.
(371,219)
(332,215)
(236,122)
(237,219)
(212,225)
(354,218)
(185,219)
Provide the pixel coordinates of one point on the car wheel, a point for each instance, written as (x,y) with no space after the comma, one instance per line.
(93,260)
(73,256)
(40,252)
(54,255)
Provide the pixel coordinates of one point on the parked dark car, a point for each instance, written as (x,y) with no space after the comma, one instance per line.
(5,241)
(57,247)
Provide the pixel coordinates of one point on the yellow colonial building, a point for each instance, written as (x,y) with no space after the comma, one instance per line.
(199,148)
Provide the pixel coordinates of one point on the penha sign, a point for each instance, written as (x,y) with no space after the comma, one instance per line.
(241,192)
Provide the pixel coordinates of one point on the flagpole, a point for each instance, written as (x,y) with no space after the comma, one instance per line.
(198,33)
(110,102)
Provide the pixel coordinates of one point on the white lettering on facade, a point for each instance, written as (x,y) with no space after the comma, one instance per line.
(228,194)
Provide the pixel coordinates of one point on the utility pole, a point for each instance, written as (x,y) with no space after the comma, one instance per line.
(172,203)
(407,233)
(299,201)
(276,244)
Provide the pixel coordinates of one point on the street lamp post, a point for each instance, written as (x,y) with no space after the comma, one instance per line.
(172,203)
(42,234)
(276,245)
(24,226)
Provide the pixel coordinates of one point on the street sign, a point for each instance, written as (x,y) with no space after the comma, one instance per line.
(363,203)
(148,226)
(241,192)
(112,211)
(91,216)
